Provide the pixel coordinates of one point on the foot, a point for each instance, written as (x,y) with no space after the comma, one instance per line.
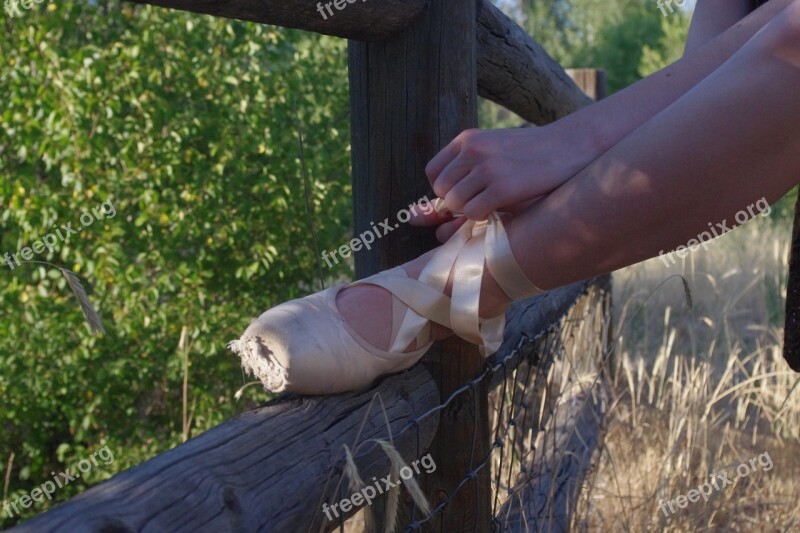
(342,338)
(368,308)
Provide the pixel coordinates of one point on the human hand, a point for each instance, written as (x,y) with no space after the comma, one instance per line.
(482,171)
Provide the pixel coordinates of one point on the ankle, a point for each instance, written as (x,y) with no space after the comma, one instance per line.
(493,300)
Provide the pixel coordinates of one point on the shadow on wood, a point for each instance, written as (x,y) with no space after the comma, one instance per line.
(269,469)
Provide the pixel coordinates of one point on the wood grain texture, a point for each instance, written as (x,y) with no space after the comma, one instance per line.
(410,96)
(513,69)
(265,470)
(411,93)
(516,72)
(368,20)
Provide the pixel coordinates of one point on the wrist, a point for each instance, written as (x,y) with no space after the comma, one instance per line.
(585,139)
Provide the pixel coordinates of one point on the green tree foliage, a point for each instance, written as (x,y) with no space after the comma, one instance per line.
(623,37)
(189,126)
(629,39)
(668,48)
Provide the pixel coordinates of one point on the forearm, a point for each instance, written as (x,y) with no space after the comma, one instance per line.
(606,122)
(711,18)
(727,143)
(504,170)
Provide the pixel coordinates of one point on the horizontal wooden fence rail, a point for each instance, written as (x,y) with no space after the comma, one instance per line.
(516,72)
(374,20)
(570,407)
(269,469)
(544,499)
(513,69)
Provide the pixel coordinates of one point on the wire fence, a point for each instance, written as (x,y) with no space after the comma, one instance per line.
(546,400)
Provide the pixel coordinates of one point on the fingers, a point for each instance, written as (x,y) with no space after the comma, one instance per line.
(464,172)
(465,190)
(444,157)
(480,207)
(455,172)
(498,195)
(423,215)
(444,170)
(447,225)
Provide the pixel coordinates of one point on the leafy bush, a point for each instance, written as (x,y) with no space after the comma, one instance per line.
(189,126)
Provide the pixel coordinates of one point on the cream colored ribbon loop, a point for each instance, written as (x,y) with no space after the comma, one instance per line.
(475,246)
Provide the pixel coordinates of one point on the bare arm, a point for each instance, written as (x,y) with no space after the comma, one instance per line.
(712,17)
(730,143)
(628,109)
(484,171)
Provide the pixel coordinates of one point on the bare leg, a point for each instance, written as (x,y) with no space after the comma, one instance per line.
(376,327)
(730,140)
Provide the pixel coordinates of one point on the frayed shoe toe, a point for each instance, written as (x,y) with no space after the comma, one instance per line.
(304,346)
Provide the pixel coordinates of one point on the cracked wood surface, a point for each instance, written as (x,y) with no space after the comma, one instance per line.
(516,72)
(513,69)
(264,470)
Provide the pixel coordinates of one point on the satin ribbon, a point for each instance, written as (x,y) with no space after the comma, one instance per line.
(475,246)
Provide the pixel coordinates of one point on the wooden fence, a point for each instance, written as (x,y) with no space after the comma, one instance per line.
(512,438)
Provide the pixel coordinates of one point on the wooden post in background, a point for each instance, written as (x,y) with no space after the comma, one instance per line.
(591,81)
(409,97)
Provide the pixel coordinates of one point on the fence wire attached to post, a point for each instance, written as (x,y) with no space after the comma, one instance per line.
(547,401)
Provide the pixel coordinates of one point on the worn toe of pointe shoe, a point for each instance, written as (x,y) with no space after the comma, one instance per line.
(305,346)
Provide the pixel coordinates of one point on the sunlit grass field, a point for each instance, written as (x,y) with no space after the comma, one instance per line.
(700,390)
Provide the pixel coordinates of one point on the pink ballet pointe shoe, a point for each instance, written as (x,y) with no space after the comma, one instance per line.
(305,346)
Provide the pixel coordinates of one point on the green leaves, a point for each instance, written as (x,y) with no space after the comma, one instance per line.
(187,124)
(628,39)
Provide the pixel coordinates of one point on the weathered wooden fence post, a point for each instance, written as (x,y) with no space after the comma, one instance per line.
(409,97)
(591,81)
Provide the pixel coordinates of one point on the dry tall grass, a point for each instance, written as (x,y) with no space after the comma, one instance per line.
(700,391)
